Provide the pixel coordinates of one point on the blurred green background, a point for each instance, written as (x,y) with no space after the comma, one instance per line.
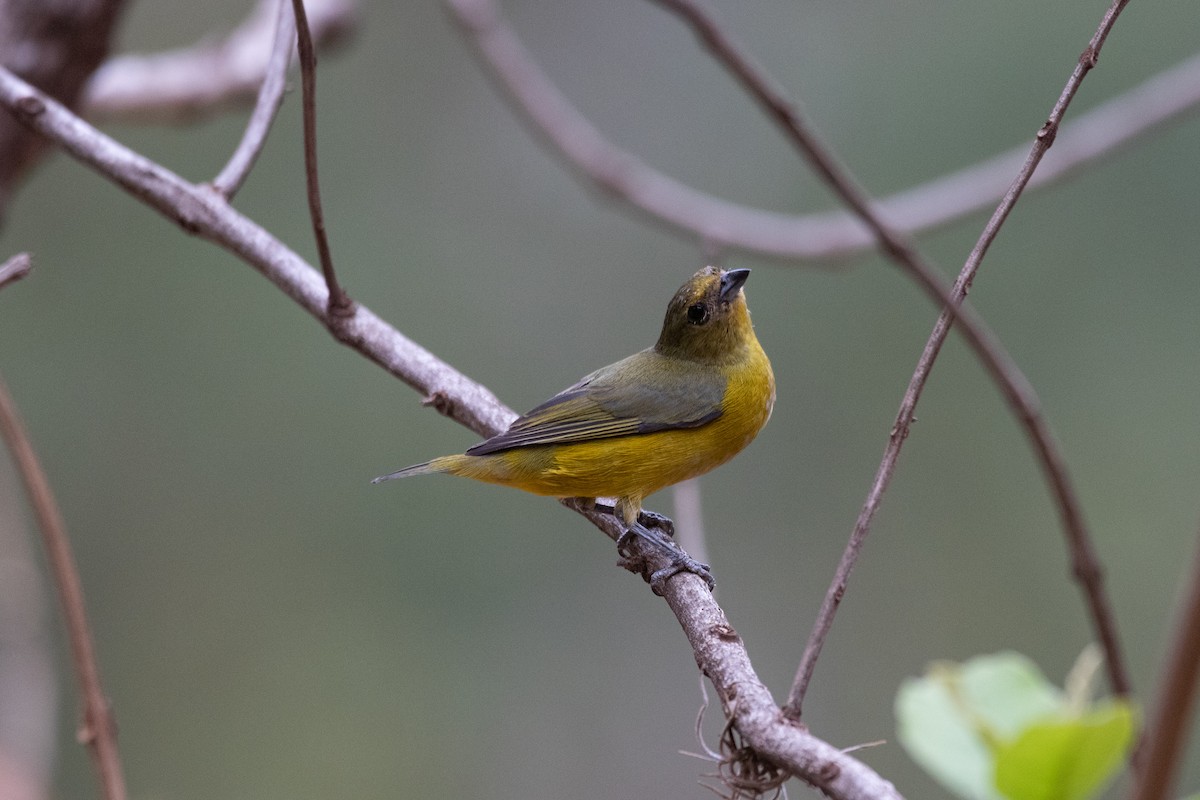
(272,626)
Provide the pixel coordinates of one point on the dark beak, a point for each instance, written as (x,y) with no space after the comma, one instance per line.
(731,284)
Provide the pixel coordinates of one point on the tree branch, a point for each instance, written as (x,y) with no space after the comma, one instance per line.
(1167,728)
(98,730)
(1009,379)
(54,46)
(15,268)
(28,672)
(719,653)
(266,107)
(806,237)
(340,305)
(206,78)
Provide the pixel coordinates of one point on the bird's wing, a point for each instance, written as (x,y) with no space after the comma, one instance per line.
(643,393)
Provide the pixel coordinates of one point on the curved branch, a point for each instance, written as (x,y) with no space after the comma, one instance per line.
(719,652)
(340,305)
(208,77)
(98,730)
(806,237)
(29,676)
(1017,391)
(266,107)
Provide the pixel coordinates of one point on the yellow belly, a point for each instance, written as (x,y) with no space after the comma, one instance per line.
(632,467)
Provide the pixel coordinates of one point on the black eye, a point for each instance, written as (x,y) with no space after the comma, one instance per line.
(697,314)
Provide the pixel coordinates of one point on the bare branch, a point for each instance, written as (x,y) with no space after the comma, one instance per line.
(718,651)
(15,268)
(1087,570)
(809,237)
(98,730)
(1167,728)
(270,98)
(340,305)
(208,77)
(1009,379)
(28,672)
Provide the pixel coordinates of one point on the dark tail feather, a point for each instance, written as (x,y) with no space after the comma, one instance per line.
(415,469)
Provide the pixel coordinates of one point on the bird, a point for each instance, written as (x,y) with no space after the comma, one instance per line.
(663,415)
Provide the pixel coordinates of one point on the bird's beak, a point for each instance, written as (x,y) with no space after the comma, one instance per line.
(731,284)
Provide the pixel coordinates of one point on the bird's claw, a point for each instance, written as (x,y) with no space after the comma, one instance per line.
(680,561)
(652,519)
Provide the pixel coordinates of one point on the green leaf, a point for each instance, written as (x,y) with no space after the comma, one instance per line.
(1006,691)
(932,728)
(950,720)
(957,720)
(1065,758)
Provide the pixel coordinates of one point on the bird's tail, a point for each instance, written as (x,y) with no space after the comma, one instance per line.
(428,468)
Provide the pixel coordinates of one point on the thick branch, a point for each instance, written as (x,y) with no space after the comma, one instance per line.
(55,46)
(208,77)
(719,653)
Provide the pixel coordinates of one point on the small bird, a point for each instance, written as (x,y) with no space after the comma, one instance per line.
(663,415)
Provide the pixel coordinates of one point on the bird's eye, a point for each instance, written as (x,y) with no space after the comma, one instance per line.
(697,314)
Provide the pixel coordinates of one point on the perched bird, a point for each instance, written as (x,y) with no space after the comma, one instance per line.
(671,412)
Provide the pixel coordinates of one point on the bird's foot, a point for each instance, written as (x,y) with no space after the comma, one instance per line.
(652,519)
(680,561)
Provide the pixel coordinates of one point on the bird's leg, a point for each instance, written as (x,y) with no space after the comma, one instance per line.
(656,530)
(647,519)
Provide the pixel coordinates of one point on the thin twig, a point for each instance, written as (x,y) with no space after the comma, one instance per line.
(29,674)
(340,305)
(817,237)
(1170,719)
(1011,382)
(718,651)
(98,729)
(219,72)
(15,268)
(1086,565)
(270,98)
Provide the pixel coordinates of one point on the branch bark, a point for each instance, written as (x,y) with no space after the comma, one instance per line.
(1012,384)
(98,730)
(1167,727)
(817,238)
(201,211)
(266,107)
(208,77)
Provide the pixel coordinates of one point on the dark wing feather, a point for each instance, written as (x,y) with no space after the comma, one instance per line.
(643,393)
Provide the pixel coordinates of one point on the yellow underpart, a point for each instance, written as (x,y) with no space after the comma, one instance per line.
(633,467)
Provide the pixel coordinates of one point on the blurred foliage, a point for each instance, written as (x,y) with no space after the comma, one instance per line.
(272,626)
(993,728)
